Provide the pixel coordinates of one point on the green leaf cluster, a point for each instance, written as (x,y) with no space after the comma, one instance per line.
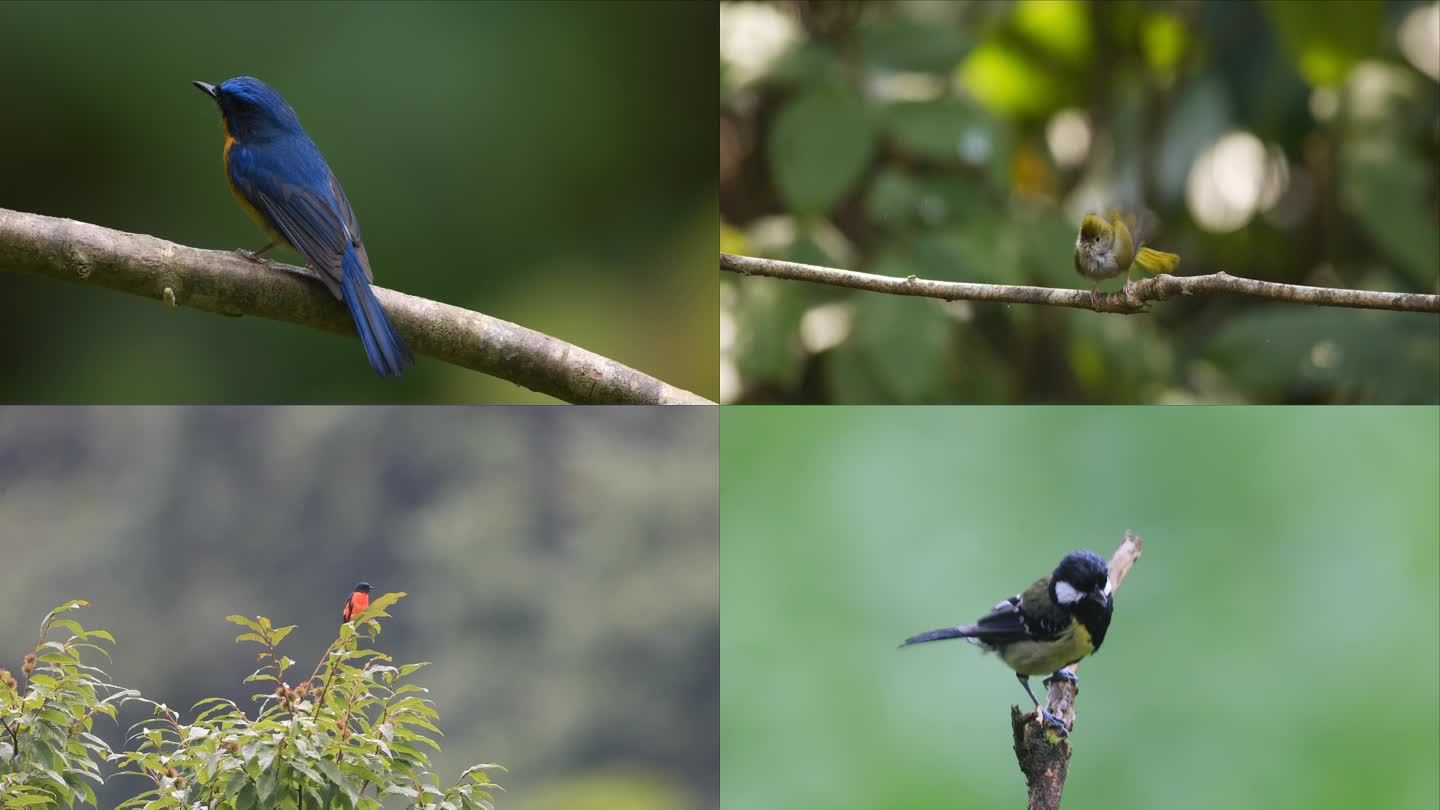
(48,753)
(348,736)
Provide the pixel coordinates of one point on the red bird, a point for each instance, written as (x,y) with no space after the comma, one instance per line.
(358,601)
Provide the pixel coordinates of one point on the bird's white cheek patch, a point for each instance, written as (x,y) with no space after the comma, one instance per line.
(1066,593)
(1108,586)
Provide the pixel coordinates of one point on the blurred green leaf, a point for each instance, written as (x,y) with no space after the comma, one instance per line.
(899,341)
(820,144)
(1112,358)
(851,377)
(1325,43)
(1201,115)
(932,201)
(1060,27)
(1386,188)
(769,350)
(893,199)
(1380,356)
(972,251)
(1047,253)
(808,64)
(947,129)
(905,43)
(1009,82)
(1163,38)
(770,347)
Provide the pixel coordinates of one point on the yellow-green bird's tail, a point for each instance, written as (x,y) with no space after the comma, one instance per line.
(1156,261)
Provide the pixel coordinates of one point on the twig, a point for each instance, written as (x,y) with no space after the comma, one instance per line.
(14,738)
(1044,757)
(1156,288)
(325,658)
(222,282)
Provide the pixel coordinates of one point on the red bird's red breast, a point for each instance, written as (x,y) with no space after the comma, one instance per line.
(357,604)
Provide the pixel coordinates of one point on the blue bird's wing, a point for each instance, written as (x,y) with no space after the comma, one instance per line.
(310,224)
(314,217)
(289,186)
(347,216)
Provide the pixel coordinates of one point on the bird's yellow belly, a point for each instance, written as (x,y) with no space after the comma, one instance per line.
(1043,658)
(250,210)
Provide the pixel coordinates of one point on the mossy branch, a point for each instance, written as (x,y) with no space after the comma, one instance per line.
(1135,300)
(1043,755)
(224,283)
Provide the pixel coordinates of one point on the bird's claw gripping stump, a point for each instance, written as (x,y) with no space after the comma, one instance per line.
(1062,675)
(1052,720)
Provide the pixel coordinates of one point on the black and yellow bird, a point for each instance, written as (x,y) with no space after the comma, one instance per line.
(1053,624)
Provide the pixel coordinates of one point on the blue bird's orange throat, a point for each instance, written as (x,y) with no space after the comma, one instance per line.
(250,210)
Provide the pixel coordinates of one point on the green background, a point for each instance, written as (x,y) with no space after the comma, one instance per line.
(551,164)
(561,566)
(1276,646)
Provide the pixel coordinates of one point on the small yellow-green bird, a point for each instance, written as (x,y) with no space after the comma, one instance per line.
(1107,249)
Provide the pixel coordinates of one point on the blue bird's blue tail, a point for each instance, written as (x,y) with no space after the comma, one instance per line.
(387,352)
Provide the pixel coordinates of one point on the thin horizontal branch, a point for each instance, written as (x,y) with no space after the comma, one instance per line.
(1043,756)
(225,283)
(1143,291)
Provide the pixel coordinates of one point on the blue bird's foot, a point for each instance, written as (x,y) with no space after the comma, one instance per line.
(254,255)
(1062,675)
(1055,722)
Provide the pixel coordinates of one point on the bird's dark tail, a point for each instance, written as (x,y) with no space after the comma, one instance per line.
(387,352)
(963,631)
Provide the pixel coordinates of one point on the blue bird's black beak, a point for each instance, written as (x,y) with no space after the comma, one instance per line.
(207,89)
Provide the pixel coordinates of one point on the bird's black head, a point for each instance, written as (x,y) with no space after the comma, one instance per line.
(1081,585)
(1081,575)
(362,587)
(251,108)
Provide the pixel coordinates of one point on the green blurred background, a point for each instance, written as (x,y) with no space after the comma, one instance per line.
(1278,644)
(1289,141)
(545,163)
(561,567)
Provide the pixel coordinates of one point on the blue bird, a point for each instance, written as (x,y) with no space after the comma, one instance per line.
(282,181)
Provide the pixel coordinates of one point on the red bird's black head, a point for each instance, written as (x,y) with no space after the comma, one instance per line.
(362,587)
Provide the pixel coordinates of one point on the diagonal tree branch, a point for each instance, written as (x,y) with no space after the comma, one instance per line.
(1044,756)
(224,283)
(1157,288)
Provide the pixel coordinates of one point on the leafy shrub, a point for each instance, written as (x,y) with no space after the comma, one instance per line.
(48,755)
(346,737)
